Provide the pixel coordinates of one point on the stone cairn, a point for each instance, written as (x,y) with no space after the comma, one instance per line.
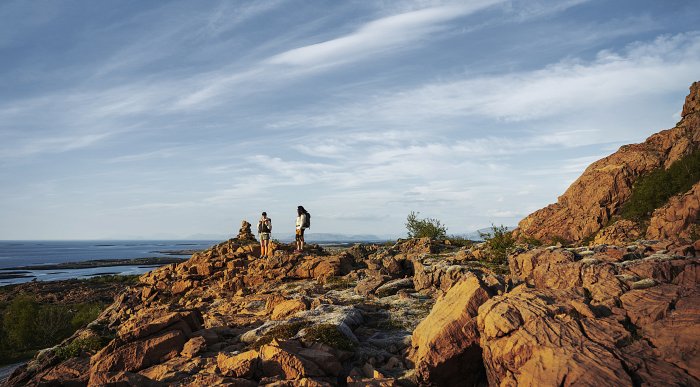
(245,234)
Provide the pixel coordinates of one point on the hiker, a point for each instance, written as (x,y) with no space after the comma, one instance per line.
(264,230)
(303,222)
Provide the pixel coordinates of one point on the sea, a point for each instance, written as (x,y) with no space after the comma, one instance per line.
(25,253)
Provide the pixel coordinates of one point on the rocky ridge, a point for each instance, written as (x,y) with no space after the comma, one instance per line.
(589,206)
(419,312)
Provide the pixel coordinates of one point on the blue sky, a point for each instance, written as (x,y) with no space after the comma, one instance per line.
(124,119)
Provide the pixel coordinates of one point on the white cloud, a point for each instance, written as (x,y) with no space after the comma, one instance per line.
(380,35)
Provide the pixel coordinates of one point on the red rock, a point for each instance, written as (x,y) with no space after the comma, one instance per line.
(678,218)
(446,344)
(193,346)
(599,193)
(139,354)
(244,365)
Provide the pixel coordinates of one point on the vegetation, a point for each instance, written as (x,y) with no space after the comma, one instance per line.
(282,331)
(132,279)
(78,346)
(499,242)
(653,190)
(27,326)
(426,227)
(330,335)
(459,241)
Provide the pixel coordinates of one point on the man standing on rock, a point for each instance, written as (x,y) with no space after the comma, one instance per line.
(303,220)
(264,230)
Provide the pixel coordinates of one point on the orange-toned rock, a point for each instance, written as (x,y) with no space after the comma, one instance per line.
(280,359)
(243,365)
(533,337)
(446,343)
(288,308)
(193,346)
(678,218)
(592,200)
(139,354)
(621,232)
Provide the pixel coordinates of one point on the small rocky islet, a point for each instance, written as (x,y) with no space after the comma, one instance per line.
(585,298)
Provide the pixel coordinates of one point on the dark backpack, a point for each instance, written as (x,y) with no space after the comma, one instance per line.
(307,220)
(263,227)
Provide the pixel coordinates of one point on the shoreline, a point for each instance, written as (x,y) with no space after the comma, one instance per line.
(93,263)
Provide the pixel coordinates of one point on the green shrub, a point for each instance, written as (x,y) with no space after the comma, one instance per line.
(427,227)
(460,241)
(653,190)
(27,326)
(330,335)
(18,323)
(85,314)
(78,346)
(499,242)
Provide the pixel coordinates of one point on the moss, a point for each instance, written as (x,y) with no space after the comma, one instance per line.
(330,335)
(76,347)
(282,331)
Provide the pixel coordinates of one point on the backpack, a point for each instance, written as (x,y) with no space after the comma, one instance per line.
(307,220)
(263,227)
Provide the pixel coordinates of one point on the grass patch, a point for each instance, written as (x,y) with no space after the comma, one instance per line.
(330,335)
(280,332)
(653,190)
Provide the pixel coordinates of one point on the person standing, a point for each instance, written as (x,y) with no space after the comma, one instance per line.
(303,222)
(264,230)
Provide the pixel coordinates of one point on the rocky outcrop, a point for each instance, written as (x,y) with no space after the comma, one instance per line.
(593,199)
(445,345)
(679,218)
(580,320)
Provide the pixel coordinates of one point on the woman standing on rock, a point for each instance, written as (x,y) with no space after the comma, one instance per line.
(303,222)
(264,230)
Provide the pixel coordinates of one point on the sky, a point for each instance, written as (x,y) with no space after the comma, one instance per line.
(178,119)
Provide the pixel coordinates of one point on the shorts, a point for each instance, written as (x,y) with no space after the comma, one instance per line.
(300,234)
(264,236)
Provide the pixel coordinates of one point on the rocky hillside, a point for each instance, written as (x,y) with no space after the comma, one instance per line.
(418,312)
(422,312)
(590,207)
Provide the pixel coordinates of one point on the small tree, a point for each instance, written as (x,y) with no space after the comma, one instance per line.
(427,227)
(499,242)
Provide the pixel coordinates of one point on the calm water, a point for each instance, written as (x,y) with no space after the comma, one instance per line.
(23,253)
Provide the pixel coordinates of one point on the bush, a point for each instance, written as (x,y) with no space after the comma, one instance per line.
(27,326)
(282,331)
(499,242)
(78,346)
(330,335)
(427,227)
(653,190)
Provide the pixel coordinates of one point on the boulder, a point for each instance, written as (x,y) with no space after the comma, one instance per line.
(243,365)
(677,219)
(280,358)
(288,308)
(445,345)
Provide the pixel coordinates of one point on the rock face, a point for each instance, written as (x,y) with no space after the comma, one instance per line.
(679,218)
(594,198)
(579,320)
(445,345)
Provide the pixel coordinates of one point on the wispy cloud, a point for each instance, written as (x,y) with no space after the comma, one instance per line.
(391,32)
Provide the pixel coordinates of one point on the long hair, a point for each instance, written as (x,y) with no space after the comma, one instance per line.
(300,210)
